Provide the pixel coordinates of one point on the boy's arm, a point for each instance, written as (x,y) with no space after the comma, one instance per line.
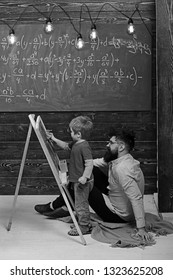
(87,171)
(63,145)
(88,168)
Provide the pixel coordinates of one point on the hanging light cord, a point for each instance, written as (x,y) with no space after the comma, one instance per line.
(133,13)
(12,27)
(113,8)
(39,11)
(52,10)
(84,5)
(143,20)
(19,18)
(6,23)
(69,19)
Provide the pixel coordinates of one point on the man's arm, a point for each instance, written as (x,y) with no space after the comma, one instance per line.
(102,165)
(99,162)
(133,193)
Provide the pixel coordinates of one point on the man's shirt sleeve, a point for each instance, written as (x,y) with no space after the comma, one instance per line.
(133,192)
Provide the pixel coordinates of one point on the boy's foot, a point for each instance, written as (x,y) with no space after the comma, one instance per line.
(57,213)
(43,208)
(74,232)
(72,226)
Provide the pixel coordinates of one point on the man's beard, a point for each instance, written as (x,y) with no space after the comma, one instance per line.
(109,156)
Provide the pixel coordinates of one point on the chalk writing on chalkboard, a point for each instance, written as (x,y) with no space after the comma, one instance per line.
(45,72)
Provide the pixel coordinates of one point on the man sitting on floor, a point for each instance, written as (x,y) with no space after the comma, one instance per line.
(117,195)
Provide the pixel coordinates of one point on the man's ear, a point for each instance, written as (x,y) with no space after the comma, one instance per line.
(121,147)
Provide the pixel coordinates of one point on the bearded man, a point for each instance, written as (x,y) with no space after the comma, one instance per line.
(117,195)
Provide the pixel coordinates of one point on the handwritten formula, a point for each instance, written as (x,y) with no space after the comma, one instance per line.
(46,72)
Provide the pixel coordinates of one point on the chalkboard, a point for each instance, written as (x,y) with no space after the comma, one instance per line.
(58,167)
(45,72)
(45,143)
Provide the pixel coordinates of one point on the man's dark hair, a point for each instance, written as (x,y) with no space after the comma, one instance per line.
(126,135)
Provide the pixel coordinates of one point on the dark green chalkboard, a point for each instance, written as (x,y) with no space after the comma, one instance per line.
(44,72)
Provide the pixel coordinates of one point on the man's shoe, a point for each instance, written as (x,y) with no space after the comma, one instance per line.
(42,208)
(57,213)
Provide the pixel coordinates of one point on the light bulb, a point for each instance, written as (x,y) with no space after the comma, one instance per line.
(79,44)
(93,33)
(130,27)
(49,26)
(11,37)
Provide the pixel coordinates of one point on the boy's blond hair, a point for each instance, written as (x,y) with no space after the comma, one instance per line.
(82,124)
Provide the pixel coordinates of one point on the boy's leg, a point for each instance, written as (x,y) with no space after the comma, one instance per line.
(82,206)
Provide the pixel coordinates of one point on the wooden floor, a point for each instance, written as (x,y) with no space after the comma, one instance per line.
(35,237)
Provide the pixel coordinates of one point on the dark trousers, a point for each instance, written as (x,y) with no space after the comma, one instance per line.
(96,200)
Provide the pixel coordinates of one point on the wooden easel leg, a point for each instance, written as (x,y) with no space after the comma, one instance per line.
(20,176)
(68,195)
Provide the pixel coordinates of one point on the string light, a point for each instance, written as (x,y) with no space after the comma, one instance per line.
(49,26)
(11,37)
(93,32)
(79,42)
(130,27)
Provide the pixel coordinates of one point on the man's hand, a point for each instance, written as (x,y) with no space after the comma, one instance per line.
(82,180)
(144,235)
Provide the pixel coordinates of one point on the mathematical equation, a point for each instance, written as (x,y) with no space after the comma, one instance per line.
(100,78)
(47,69)
(79,76)
(8,94)
(108,59)
(64,41)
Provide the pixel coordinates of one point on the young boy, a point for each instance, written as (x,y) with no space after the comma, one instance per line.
(80,169)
